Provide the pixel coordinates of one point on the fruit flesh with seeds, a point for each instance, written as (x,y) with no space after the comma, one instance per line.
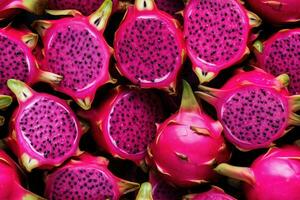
(75,48)
(149,47)
(274,175)
(254,108)
(44,131)
(280,54)
(175,151)
(86,177)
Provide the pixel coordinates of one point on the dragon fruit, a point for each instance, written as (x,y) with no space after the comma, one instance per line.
(17,61)
(274,175)
(170,6)
(254,108)
(280,54)
(86,177)
(277,12)
(149,47)
(10,186)
(125,123)
(175,151)
(217,33)
(215,193)
(5,101)
(44,131)
(9,8)
(75,48)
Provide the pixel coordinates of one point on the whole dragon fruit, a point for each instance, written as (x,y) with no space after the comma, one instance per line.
(149,47)
(280,54)
(44,131)
(274,175)
(17,60)
(217,33)
(254,108)
(277,12)
(175,152)
(86,177)
(75,48)
(124,124)
(215,193)
(5,101)
(10,186)
(9,8)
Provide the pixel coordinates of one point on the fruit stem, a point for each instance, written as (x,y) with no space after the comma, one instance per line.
(284,79)
(258,46)
(208,94)
(239,173)
(145,192)
(188,100)
(127,186)
(49,77)
(294,102)
(20,89)
(35,6)
(5,101)
(144,4)
(254,20)
(100,17)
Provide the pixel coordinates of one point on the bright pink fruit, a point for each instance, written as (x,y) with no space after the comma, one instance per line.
(274,175)
(149,47)
(254,108)
(44,131)
(214,193)
(10,186)
(75,48)
(86,177)
(217,33)
(125,123)
(278,11)
(188,144)
(17,61)
(280,54)
(9,8)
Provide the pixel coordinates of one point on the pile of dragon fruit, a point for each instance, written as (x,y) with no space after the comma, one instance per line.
(149,99)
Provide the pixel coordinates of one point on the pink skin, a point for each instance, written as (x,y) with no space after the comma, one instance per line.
(17,140)
(213,193)
(175,151)
(253,80)
(10,186)
(88,162)
(274,175)
(134,13)
(26,42)
(264,50)
(95,24)
(206,70)
(277,12)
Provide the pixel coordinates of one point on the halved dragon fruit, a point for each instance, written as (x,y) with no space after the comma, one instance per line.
(5,101)
(44,131)
(9,8)
(274,175)
(10,185)
(280,54)
(278,11)
(17,61)
(75,48)
(86,178)
(149,47)
(124,124)
(254,108)
(215,193)
(175,152)
(217,33)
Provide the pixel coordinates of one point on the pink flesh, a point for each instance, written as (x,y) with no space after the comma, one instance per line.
(216,32)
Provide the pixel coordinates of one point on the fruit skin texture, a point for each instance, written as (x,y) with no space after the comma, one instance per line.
(188,144)
(259,99)
(149,47)
(213,193)
(217,40)
(274,175)
(9,8)
(277,12)
(10,186)
(75,48)
(44,131)
(280,54)
(18,61)
(124,123)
